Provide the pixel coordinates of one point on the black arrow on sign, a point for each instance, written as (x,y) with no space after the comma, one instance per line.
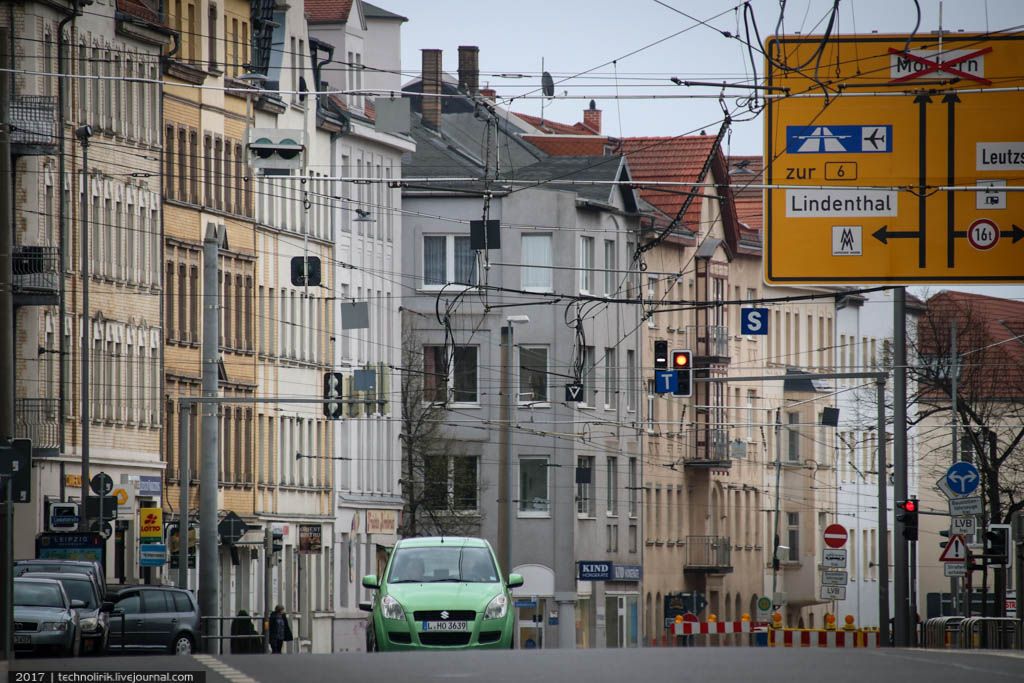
(1015,234)
(951,101)
(922,143)
(884,234)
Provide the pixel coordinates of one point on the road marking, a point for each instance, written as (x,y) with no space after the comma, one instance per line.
(957,665)
(217,666)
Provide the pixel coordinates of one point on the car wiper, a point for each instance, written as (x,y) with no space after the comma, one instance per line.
(405,581)
(449,580)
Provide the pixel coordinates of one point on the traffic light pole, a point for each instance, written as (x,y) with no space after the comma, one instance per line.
(883,519)
(901,560)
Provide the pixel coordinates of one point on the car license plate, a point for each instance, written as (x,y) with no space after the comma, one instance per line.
(445,626)
(22,640)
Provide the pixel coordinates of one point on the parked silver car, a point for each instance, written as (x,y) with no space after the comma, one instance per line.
(154,618)
(45,618)
(93,617)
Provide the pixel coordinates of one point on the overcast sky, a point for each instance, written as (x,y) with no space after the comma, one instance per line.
(609,40)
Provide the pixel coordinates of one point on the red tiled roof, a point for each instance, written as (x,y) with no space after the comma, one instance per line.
(147,10)
(674,159)
(328,11)
(744,172)
(564,146)
(555,127)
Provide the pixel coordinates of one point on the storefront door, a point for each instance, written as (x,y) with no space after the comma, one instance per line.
(530,617)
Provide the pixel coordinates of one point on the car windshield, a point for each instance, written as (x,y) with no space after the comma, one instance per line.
(438,564)
(37,594)
(80,589)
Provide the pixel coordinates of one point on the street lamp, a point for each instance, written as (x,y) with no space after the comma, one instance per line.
(83,134)
(507,513)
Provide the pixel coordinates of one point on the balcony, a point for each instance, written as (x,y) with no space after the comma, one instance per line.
(710,344)
(708,555)
(38,419)
(712,450)
(33,125)
(36,272)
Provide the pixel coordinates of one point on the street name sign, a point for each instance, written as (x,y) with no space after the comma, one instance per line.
(954,569)
(833,592)
(902,165)
(955,550)
(961,507)
(965,526)
(833,558)
(834,578)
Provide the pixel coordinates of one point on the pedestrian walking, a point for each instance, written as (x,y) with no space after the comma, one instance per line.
(243,635)
(280,631)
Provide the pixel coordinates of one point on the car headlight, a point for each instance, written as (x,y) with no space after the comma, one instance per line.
(497,608)
(90,623)
(54,626)
(391,609)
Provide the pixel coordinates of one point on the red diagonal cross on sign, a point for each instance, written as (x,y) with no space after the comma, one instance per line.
(936,66)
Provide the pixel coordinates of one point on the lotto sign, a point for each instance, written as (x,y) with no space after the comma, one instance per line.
(915,183)
(151,525)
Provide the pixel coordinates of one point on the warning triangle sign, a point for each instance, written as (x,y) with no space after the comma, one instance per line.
(955,550)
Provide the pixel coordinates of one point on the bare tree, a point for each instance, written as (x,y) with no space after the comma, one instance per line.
(440,483)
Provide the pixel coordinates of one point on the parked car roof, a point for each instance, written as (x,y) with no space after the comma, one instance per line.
(439,541)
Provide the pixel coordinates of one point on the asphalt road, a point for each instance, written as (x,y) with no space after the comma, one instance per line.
(675,665)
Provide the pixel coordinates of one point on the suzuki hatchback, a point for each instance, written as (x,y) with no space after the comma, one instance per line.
(440,593)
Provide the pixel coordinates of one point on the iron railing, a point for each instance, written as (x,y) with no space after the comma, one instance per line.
(35,268)
(708,552)
(37,419)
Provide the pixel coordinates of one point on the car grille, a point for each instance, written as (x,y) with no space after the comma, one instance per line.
(25,626)
(490,636)
(453,615)
(450,638)
(401,638)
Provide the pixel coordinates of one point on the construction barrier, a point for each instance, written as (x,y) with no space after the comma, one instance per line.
(693,628)
(819,637)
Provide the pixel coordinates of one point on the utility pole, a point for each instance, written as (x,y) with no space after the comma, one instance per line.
(7,395)
(901,575)
(209,452)
(83,133)
(883,520)
(999,573)
(778,476)
(504,466)
(184,476)
(954,378)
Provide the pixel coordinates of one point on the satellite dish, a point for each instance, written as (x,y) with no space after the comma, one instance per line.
(547,85)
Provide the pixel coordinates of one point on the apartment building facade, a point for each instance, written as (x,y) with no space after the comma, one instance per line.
(68,92)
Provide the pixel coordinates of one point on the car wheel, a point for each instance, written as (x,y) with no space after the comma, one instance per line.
(182,645)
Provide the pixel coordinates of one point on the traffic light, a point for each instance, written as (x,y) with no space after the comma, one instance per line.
(682,363)
(305,271)
(997,545)
(334,383)
(273,540)
(661,355)
(908,516)
(276,151)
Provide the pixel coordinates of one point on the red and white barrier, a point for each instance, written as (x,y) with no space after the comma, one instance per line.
(692,628)
(821,638)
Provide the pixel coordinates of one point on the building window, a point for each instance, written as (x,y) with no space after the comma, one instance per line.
(751,413)
(613,538)
(536,260)
(611,379)
(452,482)
(585,485)
(533,374)
(211,40)
(793,535)
(632,538)
(793,436)
(612,486)
(634,488)
(586,264)
(611,284)
(461,374)
(448,259)
(589,378)
(533,485)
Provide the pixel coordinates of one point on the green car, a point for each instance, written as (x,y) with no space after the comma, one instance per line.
(440,593)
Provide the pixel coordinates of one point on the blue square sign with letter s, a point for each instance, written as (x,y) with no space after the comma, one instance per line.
(753,321)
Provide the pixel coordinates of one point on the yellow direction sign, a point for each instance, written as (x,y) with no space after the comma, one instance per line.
(911,169)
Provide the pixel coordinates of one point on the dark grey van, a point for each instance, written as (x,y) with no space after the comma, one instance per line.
(154,618)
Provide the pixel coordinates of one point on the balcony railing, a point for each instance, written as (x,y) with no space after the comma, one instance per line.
(33,124)
(37,419)
(36,272)
(709,340)
(710,554)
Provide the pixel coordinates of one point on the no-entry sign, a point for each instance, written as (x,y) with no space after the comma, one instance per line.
(835,536)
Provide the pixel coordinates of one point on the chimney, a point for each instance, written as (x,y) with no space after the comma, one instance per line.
(592,117)
(469,69)
(489,93)
(431,76)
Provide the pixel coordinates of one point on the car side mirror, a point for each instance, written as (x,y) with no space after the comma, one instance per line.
(77,604)
(366,606)
(515,580)
(107,606)
(370,581)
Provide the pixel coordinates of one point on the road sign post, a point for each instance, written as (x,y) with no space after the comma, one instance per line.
(914,194)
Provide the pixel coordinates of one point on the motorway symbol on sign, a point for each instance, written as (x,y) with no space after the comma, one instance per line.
(965,526)
(666,381)
(834,578)
(835,535)
(833,558)
(833,592)
(961,507)
(754,321)
(841,139)
(955,550)
(963,478)
(574,393)
(954,569)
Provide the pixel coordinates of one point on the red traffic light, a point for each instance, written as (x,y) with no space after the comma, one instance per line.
(908,505)
(680,360)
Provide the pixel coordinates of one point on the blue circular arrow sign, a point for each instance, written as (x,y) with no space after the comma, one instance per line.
(963,478)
